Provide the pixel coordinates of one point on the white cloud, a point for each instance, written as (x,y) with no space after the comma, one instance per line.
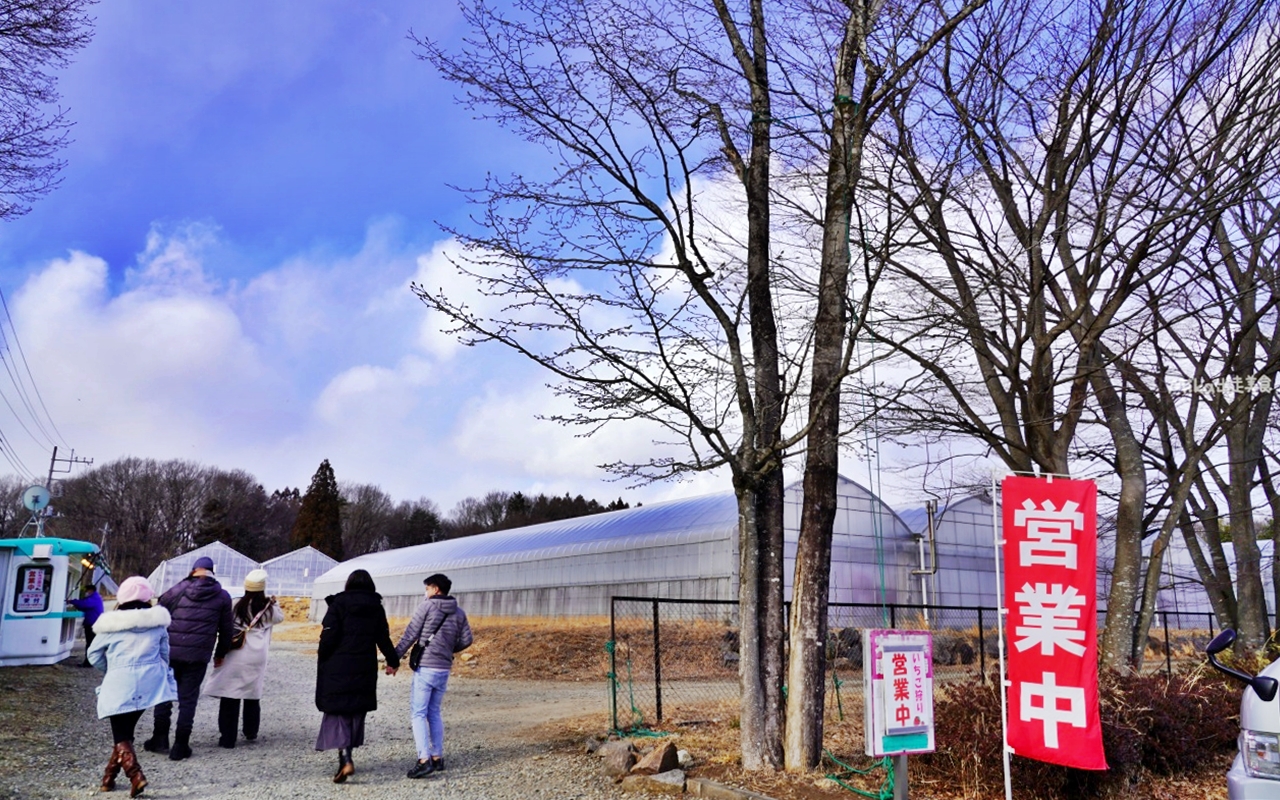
(322,356)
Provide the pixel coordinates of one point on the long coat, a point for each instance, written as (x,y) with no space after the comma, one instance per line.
(244,670)
(132,647)
(355,629)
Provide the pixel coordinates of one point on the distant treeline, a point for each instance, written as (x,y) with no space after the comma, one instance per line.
(143,511)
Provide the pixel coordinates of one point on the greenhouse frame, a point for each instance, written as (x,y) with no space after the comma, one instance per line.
(288,575)
(229,567)
(292,574)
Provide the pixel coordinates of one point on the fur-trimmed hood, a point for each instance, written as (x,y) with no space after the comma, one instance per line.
(133,619)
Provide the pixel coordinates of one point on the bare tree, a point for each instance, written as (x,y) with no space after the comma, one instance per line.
(367,514)
(606,273)
(140,511)
(1035,158)
(36,38)
(414,522)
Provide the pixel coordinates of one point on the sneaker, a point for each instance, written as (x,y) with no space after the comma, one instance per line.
(437,765)
(421,769)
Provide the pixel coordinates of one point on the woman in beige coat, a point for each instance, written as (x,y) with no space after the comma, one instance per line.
(243,671)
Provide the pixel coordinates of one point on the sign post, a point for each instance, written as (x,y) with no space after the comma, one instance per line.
(897,677)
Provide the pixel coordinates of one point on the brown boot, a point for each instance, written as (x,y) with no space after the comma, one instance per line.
(113,769)
(129,761)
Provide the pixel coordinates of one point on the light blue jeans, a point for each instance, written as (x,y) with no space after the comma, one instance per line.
(425,699)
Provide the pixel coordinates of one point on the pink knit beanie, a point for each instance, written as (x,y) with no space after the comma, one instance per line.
(134,588)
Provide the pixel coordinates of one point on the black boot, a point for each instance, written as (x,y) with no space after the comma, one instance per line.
(181,747)
(158,743)
(252,718)
(228,716)
(345,767)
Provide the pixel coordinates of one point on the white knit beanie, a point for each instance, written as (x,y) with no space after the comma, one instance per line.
(256,581)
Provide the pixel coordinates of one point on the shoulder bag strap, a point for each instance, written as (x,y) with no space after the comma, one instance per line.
(423,641)
(257,617)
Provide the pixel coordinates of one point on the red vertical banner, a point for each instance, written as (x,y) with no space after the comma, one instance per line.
(1050,590)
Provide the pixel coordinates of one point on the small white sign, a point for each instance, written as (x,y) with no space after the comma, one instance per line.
(897,670)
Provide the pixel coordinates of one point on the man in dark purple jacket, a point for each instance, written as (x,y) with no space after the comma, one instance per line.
(201,626)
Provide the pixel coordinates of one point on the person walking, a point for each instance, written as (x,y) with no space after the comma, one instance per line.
(90,604)
(243,671)
(354,630)
(201,627)
(440,626)
(132,648)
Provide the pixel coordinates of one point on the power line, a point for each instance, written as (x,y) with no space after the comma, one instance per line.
(20,384)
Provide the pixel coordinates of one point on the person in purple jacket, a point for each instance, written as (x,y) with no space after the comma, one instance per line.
(90,604)
(441,626)
(201,627)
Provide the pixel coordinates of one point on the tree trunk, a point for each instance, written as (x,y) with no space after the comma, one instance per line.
(750,671)
(806,673)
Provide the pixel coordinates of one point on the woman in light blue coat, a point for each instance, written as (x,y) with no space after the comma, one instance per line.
(131,645)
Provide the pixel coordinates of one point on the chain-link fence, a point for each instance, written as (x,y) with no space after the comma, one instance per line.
(676,661)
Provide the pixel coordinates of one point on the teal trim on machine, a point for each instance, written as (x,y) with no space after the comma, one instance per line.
(61,547)
(48,615)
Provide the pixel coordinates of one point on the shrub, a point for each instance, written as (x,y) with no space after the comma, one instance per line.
(1150,723)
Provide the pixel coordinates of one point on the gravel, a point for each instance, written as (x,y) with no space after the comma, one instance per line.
(491,750)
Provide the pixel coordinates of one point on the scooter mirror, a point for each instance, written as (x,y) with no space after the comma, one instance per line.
(1221,642)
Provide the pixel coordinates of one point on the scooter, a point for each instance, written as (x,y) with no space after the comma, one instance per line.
(1255,772)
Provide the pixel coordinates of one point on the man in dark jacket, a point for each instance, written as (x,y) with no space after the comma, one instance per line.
(201,627)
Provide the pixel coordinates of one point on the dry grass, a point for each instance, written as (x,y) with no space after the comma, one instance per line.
(573,649)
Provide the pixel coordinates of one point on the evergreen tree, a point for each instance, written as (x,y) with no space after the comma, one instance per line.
(319,522)
(213,525)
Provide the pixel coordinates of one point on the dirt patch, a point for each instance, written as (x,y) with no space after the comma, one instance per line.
(296,609)
(540,650)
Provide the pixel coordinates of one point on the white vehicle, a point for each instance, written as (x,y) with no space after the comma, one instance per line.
(1255,772)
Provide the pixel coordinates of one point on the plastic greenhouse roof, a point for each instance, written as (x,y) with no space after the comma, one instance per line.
(686,519)
(229,567)
(917,519)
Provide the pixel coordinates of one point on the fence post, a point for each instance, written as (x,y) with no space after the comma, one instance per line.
(657,663)
(1168,645)
(613,662)
(982,647)
(893,616)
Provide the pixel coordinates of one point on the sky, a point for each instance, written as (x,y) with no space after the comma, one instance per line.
(223,274)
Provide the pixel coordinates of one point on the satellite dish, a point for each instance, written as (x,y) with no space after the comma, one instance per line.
(35,498)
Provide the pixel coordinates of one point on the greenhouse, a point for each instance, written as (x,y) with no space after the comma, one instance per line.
(957,566)
(292,574)
(1182,594)
(684,549)
(229,567)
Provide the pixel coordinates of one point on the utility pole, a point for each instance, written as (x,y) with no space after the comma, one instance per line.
(70,462)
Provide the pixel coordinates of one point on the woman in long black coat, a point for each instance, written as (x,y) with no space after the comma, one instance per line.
(355,628)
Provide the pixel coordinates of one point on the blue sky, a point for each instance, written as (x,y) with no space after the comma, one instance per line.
(223,274)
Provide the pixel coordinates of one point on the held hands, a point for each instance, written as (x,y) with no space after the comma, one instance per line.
(391,670)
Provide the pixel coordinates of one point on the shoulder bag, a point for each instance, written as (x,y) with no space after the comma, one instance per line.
(237,640)
(420,646)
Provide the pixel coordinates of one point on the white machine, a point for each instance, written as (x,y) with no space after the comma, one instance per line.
(39,575)
(1255,772)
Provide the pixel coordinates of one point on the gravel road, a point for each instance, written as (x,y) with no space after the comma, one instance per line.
(490,751)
